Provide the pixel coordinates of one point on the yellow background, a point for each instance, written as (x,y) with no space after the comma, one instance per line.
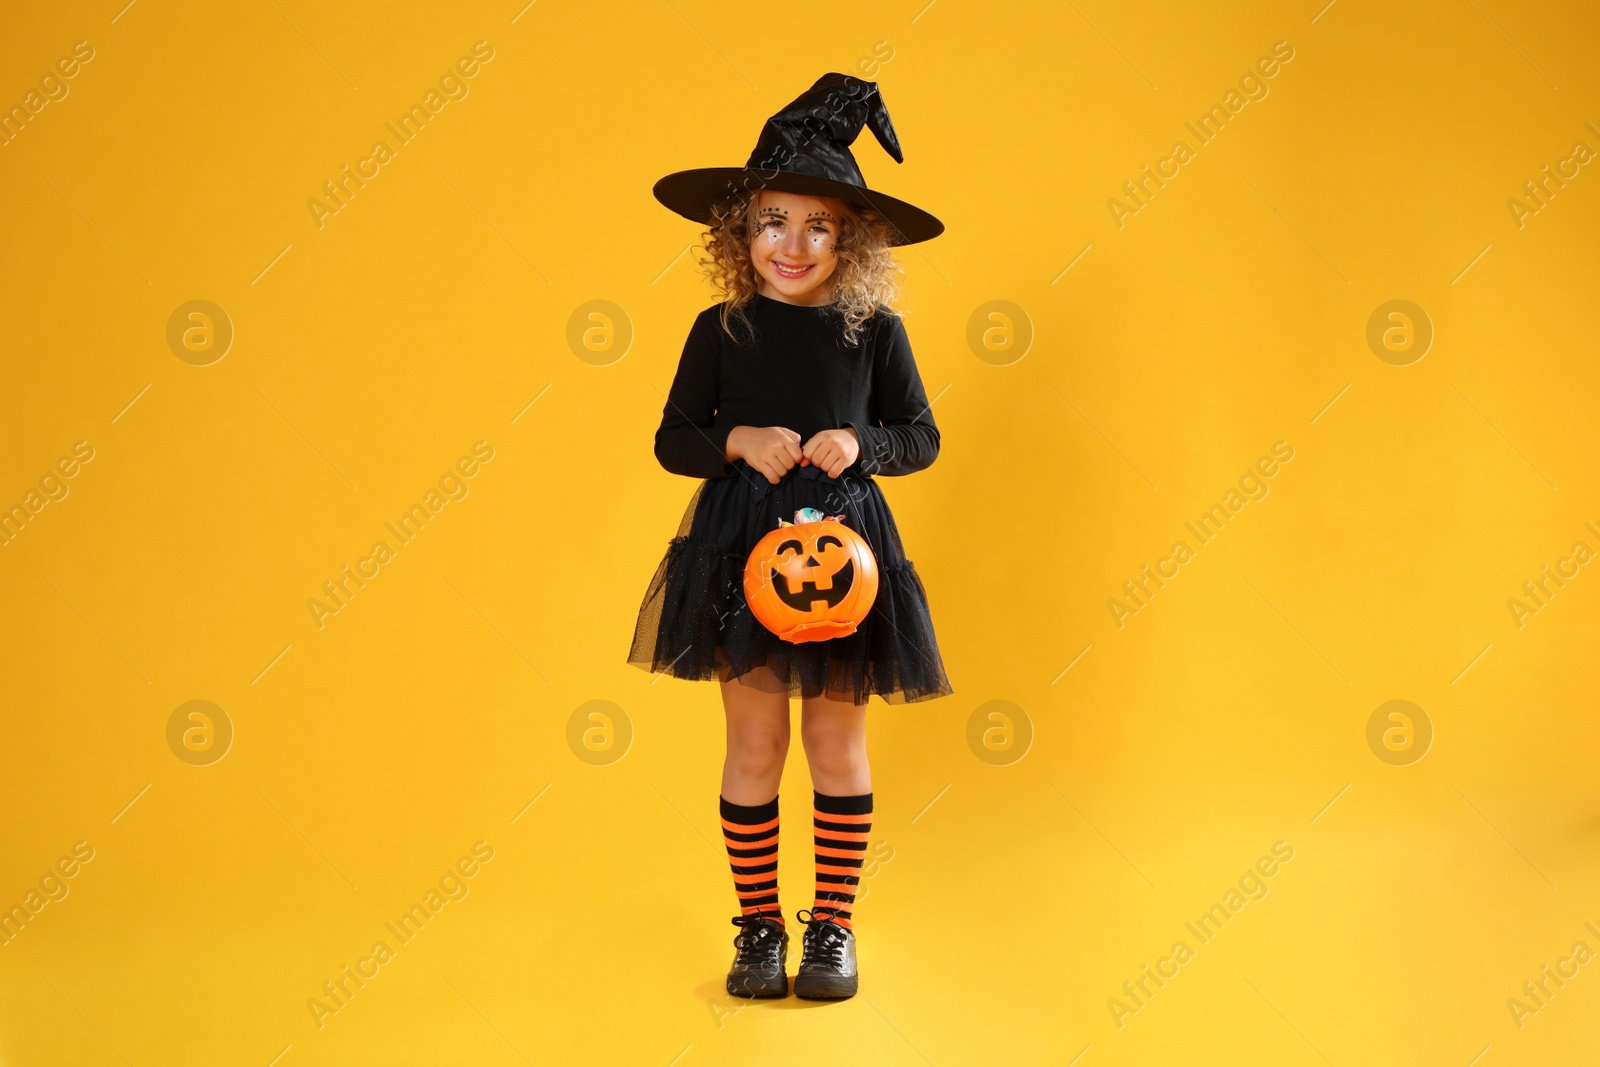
(370,754)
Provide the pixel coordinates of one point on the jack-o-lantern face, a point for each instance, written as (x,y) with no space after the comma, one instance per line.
(811,581)
(796,572)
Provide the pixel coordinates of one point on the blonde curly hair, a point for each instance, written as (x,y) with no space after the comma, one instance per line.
(865,280)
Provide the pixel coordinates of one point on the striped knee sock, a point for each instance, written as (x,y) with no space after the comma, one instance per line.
(751,834)
(841,826)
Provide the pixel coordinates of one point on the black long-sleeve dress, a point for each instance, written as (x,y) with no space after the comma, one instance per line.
(796,371)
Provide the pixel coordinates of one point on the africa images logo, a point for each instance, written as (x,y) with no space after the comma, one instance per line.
(1251,886)
(453,885)
(452,86)
(1139,592)
(1252,86)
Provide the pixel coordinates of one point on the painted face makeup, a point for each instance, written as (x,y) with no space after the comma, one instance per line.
(775,224)
(794,247)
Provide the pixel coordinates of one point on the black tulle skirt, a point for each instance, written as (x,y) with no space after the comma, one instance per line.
(694,622)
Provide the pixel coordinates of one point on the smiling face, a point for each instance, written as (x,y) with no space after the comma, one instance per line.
(793,247)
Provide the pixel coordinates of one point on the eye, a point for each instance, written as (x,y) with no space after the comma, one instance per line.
(790,545)
(828,539)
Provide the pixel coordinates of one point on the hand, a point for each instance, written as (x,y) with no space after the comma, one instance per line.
(772,450)
(832,450)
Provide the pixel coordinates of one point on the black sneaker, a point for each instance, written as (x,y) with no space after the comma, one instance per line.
(763,945)
(827,959)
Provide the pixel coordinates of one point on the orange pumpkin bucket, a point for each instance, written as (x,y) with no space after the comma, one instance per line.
(811,580)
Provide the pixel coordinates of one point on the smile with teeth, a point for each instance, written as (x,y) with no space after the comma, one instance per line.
(785,271)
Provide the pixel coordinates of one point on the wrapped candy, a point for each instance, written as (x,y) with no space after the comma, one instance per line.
(805,515)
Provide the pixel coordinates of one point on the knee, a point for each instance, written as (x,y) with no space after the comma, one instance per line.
(834,754)
(758,751)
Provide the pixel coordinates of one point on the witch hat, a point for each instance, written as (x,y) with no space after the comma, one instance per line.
(805,149)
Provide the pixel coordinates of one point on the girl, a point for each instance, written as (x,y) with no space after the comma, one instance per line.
(795,392)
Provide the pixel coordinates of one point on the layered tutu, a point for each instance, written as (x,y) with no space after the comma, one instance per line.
(694,622)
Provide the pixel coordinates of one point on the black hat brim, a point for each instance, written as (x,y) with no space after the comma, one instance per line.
(691,193)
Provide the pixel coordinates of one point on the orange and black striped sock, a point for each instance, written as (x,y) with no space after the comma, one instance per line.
(750,832)
(841,826)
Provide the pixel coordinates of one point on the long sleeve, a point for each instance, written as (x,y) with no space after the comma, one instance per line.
(904,438)
(688,442)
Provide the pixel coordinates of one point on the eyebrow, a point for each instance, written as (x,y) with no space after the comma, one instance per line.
(784,214)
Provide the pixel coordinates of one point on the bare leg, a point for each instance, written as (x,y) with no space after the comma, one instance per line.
(758,737)
(834,733)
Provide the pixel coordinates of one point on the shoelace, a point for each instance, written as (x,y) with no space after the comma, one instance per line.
(824,940)
(759,942)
